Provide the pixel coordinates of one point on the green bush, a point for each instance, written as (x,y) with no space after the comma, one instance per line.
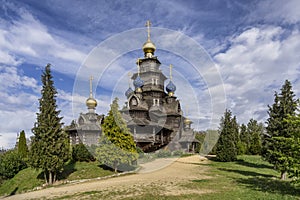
(10,164)
(81,154)
(177,153)
(164,153)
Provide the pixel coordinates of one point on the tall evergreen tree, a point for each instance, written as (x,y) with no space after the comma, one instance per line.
(294,156)
(245,139)
(276,144)
(226,150)
(49,149)
(254,132)
(22,146)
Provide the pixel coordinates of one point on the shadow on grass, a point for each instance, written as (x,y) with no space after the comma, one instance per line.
(254,165)
(270,185)
(247,173)
(68,169)
(14,191)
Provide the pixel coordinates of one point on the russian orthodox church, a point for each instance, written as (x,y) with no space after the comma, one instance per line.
(87,129)
(152,111)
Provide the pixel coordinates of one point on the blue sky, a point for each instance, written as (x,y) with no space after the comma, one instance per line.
(229,54)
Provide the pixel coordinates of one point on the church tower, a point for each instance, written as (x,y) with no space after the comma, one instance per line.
(87,129)
(153,112)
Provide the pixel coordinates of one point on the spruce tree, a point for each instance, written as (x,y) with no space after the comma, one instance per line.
(22,146)
(245,139)
(254,132)
(49,149)
(276,144)
(294,156)
(226,150)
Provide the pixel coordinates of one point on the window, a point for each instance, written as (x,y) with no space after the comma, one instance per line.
(155,102)
(133,102)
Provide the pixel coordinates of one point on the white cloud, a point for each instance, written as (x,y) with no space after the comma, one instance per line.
(257,62)
(26,37)
(278,11)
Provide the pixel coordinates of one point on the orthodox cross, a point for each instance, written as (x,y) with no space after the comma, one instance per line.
(148,24)
(138,66)
(171,66)
(129,76)
(91,86)
(187,110)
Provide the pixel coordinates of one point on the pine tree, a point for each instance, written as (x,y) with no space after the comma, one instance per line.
(277,141)
(22,146)
(117,145)
(226,150)
(254,132)
(49,149)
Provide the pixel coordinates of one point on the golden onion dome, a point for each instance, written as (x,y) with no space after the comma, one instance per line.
(149,47)
(91,103)
(187,121)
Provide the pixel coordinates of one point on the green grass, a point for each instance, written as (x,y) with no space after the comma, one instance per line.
(29,178)
(84,170)
(248,178)
(23,181)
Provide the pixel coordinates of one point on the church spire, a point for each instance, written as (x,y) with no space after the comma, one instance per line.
(91,86)
(129,91)
(138,82)
(171,88)
(148,47)
(91,103)
(171,66)
(148,24)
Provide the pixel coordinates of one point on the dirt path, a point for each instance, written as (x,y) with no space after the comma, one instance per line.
(167,180)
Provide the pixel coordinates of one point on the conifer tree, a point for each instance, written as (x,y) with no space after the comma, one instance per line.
(294,156)
(245,139)
(276,144)
(115,128)
(49,149)
(254,132)
(117,145)
(226,150)
(22,146)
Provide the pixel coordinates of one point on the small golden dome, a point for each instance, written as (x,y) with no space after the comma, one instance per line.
(149,47)
(91,103)
(187,121)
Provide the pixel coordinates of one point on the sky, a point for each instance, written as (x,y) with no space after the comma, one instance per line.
(227,54)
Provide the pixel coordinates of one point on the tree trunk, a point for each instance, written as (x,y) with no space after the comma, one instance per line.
(54,177)
(45,177)
(283,175)
(50,178)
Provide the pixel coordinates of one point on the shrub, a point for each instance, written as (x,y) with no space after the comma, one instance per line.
(81,154)
(164,153)
(177,153)
(10,164)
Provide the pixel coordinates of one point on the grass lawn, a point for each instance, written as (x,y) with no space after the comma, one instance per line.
(29,178)
(248,178)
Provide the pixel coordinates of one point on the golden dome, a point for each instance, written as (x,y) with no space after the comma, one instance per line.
(187,121)
(149,47)
(91,103)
